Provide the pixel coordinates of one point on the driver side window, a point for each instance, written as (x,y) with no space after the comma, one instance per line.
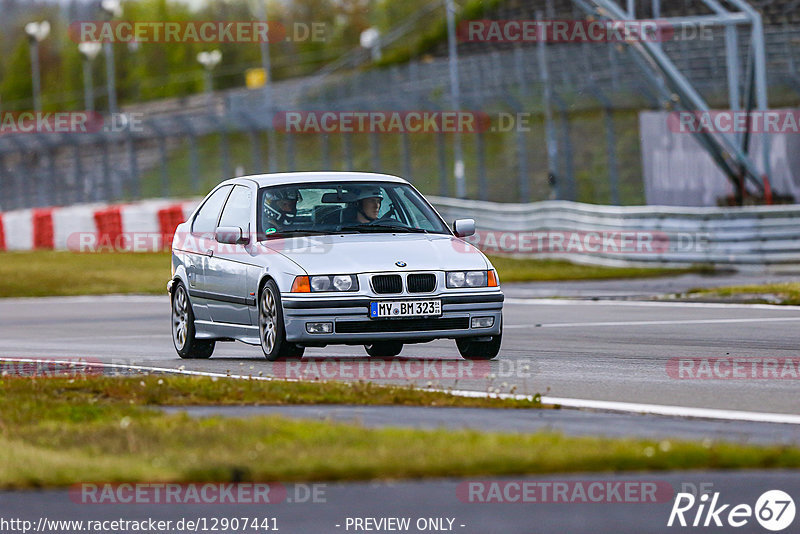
(237,209)
(205,222)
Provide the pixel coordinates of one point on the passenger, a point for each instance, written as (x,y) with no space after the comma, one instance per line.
(366,206)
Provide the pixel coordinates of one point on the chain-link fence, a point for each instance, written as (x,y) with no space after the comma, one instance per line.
(183,147)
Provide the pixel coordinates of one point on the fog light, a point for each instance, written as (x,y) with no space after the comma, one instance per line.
(319,328)
(482,322)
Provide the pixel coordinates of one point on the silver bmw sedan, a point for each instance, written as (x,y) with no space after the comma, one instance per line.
(309,259)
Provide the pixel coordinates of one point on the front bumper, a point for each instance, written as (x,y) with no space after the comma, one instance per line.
(352,324)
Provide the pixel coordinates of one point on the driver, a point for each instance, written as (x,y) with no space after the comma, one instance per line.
(280,208)
(368,204)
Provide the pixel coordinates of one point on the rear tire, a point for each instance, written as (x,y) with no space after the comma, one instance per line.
(384,349)
(271,326)
(183,332)
(479,350)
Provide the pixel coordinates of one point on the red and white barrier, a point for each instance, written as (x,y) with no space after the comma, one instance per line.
(140,226)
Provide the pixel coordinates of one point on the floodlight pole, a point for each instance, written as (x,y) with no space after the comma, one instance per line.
(272,152)
(37,32)
(88,51)
(455,98)
(111,85)
(88,86)
(35,75)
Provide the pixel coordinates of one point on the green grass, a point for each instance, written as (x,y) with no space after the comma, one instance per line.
(522,270)
(56,432)
(58,273)
(52,273)
(85,388)
(785,293)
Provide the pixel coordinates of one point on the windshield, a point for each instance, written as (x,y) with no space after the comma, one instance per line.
(349,207)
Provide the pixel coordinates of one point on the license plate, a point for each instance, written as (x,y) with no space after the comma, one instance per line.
(412,308)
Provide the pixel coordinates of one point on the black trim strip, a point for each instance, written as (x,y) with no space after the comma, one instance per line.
(472,299)
(364,302)
(247,301)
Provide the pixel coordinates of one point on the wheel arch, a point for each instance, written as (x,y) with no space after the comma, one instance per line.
(180,276)
(266,277)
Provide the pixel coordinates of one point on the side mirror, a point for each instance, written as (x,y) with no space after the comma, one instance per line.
(230,235)
(464,227)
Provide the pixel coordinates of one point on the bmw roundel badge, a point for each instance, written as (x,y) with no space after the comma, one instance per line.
(400,263)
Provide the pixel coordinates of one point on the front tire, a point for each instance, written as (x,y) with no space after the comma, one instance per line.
(271,326)
(183,331)
(384,349)
(479,350)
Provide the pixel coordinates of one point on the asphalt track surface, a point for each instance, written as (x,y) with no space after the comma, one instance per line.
(581,349)
(621,512)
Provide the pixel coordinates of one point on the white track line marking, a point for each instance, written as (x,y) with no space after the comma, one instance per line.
(613,406)
(86,299)
(649,323)
(642,303)
(679,411)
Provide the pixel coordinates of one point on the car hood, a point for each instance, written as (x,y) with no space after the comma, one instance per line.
(360,253)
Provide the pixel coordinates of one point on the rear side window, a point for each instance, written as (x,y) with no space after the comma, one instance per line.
(206,220)
(237,208)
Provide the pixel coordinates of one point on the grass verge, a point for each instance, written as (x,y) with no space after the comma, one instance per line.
(530,270)
(58,432)
(33,274)
(784,293)
(46,273)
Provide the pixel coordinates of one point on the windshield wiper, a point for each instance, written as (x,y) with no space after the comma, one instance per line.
(286,233)
(366,228)
(305,232)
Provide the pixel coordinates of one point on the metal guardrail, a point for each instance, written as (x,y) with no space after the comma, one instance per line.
(739,238)
(633,235)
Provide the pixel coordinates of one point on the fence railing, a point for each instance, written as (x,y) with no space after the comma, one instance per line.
(183,147)
(750,237)
(633,235)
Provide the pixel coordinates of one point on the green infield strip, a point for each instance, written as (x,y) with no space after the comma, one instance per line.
(783,293)
(50,273)
(61,431)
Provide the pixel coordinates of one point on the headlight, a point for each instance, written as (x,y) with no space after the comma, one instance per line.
(343,283)
(320,283)
(476,279)
(346,282)
(456,279)
(470,279)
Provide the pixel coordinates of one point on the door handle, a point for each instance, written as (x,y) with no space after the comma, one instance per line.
(210,252)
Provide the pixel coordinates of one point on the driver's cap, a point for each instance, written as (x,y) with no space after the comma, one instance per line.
(368,192)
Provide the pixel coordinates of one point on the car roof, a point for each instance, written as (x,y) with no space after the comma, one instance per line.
(284,178)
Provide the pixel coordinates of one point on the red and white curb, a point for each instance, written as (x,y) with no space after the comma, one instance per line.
(97,226)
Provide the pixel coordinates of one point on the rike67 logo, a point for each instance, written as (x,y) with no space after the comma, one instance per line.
(774,510)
